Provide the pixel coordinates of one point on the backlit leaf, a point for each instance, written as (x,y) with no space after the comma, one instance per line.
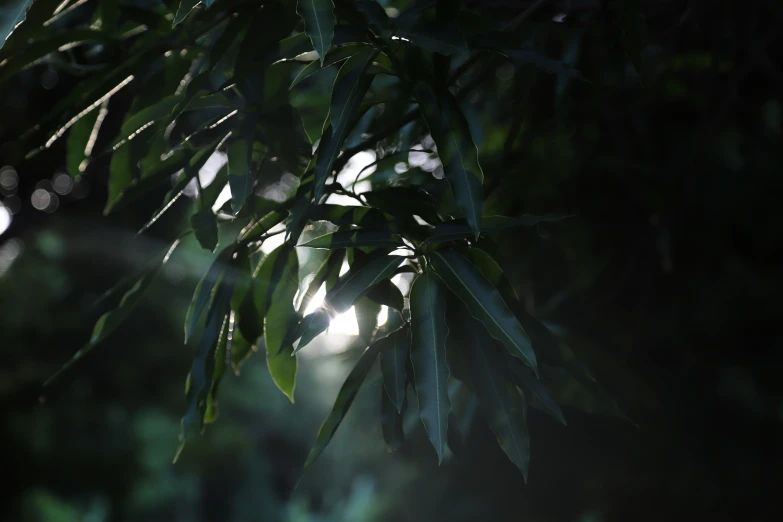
(12,13)
(377,238)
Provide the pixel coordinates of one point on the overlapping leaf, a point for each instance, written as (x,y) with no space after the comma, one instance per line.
(318,16)
(484,302)
(428,357)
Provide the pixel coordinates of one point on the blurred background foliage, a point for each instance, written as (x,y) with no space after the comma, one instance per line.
(667,282)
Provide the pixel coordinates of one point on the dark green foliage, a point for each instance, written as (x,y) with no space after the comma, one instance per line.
(196,84)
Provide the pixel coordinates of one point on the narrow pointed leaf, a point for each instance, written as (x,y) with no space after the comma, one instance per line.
(428,358)
(484,302)
(204,225)
(345,397)
(204,291)
(318,16)
(275,286)
(393,366)
(391,423)
(221,353)
(202,368)
(349,89)
(500,402)
(112,319)
(376,238)
(366,312)
(240,152)
(456,150)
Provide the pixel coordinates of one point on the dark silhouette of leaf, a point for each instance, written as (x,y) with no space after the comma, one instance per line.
(428,357)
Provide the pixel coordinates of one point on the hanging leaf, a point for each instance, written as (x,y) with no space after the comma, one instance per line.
(485,303)
(428,358)
(500,402)
(205,290)
(394,360)
(357,238)
(345,398)
(391,423)
(205,228)
(202,368)
(456,150)
(12,13)
(240,154)
(221,353)
(275,284)
(349,89)
(318,16)
(112,319)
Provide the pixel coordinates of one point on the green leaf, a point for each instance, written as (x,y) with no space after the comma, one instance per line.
(437,36)
(459,229)
(386,293)
(112,319)
(241,349)
(338,300)
(240,154)
(391,423)
(428,358)
(205,228)
(202,368)
(537,393)
(394,360)
(500,402)
(484,302)
(205,290)
(357,238)
(456,150)
(349,89)
(375,15)
(260,227)
(221,353)
(12,13)
(344,399)
(318,16)
(275,284)
(492,271)
(404,202)
(185,7)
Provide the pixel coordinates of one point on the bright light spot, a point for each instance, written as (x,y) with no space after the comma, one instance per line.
(225,195)
(41,199)
(207,173)
(5,218)
(62,183)
(274,241)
